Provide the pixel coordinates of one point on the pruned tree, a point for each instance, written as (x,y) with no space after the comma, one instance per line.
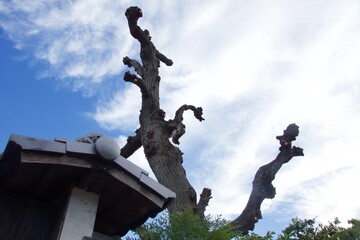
(262,184)
(164,157)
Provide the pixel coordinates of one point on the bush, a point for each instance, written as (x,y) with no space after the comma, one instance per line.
(185,226)
(306,230)
(188,226)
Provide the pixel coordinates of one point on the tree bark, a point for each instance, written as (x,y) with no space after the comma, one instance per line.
(262,184)
(164,158)
(133,143)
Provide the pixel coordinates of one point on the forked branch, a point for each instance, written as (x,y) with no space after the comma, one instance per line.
(135,64)
(176,128)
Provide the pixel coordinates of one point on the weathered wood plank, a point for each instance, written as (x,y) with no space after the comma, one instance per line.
(25,219)
(24,178)
(38,221)
(11,215)
(39,157)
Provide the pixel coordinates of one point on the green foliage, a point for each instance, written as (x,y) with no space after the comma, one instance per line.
(306,230)
(188,226)
(299,229)
(350,233)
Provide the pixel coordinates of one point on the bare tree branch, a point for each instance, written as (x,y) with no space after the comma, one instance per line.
(262,184)
(164,59)
(133,143)
(133,14)
(176,127)
(205,197)
(198,111)
(143,36)
(129,77)
(135,64)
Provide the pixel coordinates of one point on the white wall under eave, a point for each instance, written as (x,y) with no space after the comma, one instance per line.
(80,215)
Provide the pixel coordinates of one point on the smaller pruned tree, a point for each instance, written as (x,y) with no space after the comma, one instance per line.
(164,157)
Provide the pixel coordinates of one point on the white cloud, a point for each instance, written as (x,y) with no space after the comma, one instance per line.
(81,41)
(121,112)
(254,67)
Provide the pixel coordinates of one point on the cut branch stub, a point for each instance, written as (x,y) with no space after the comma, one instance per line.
(290,134)
(133,143)
(164,59)
(135,64)
(205,197)
(262,184)
(129,77)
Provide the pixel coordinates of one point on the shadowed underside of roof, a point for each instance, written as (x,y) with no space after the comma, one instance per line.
(46,170)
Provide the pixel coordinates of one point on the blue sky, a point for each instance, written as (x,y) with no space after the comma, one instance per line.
(37,107)
(254,67)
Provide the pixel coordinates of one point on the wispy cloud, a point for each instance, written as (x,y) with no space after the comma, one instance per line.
(253,66)
(80,41)
(121,111)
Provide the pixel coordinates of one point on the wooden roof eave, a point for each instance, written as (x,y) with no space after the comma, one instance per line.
(54,161)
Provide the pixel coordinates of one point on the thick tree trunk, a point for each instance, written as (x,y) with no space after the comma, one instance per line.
(164,158)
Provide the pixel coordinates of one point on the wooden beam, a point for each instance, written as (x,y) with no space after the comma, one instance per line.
(80,215)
